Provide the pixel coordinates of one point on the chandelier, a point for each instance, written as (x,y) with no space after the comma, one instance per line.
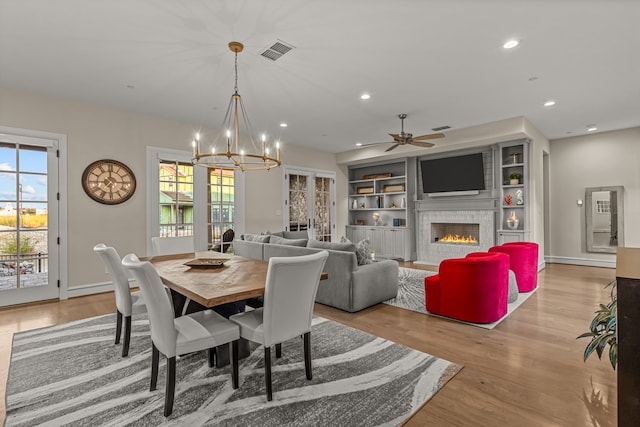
(235,155)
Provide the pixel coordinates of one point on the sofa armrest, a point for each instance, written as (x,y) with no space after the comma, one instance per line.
(374,283)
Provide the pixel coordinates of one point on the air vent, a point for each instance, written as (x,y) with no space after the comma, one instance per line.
(438,129)
(276,50)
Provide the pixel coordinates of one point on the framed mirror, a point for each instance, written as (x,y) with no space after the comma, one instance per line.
(604,218)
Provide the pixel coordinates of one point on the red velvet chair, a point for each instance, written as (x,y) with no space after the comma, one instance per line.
(473,289)
(523,261)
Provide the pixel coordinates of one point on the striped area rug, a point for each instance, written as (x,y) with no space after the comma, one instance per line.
(73,374)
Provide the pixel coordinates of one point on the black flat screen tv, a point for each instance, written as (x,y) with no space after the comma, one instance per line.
(450,174)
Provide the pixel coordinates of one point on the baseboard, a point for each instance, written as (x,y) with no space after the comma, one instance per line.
(92,288)
(581,261)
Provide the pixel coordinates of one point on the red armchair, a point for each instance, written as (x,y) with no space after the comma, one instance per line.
(523,262)
(473,289)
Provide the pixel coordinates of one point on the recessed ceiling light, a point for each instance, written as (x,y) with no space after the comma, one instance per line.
(511,44)
(358,144)
(365,96)
(549,103)
(591,128)
(283,125)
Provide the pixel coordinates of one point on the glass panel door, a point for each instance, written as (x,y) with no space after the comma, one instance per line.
(27,230)
(310,203)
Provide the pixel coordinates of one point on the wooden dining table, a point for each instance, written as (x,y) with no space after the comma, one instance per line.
(236,279)
(210,285)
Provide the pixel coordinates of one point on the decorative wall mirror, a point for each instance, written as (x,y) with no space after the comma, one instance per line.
(605,218)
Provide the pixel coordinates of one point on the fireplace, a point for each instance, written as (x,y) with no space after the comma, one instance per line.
(455,233)
(469,224)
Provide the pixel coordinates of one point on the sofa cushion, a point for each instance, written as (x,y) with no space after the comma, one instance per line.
(256,238)
(295,234)
(276,240)
(347,247)
(363,252)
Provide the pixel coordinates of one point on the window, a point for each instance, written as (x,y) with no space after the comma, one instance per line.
(187,200)
(221,208)
(175,181)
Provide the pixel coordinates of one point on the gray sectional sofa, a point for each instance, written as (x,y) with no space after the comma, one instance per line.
(350,287)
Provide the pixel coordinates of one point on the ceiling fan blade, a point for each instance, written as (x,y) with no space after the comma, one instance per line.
(421,144)
(430,136)
(392,147)
(374,143)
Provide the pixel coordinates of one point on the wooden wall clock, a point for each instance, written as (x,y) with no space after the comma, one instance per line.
(108,181)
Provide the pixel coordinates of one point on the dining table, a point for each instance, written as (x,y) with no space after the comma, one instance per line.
(208,279)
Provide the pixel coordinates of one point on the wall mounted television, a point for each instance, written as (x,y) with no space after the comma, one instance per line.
(453,174)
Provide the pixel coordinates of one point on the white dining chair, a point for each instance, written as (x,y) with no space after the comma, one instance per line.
(172,245)
(127,302)
(176,336)
(290,293)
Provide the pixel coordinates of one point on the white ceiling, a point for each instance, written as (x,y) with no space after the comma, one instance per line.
(441,62)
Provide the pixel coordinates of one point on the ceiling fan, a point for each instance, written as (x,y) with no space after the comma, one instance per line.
(404,138)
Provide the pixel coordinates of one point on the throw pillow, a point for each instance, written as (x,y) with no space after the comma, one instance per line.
(317,244)
(256,238)
(343,239)
(363,252)
(276,240)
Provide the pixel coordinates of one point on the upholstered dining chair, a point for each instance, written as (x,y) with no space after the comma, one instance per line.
(290,293)
(175,336)
(127,302)
(172,245)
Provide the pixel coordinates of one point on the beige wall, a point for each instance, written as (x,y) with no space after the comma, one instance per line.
(95,132)
(602,159)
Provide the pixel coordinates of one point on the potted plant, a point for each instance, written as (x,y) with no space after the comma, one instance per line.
(514,178)
(603,330)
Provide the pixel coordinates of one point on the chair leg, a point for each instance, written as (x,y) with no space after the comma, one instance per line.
(267,372)
(212,357)
(307,355)
(234,363)
(127,336)
(170,387)
(118,326)
(278,351)
(155,360)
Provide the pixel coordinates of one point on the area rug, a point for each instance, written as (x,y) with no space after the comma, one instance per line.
(411,296)
(73,374)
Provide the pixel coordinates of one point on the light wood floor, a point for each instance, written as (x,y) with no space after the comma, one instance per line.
(528,371)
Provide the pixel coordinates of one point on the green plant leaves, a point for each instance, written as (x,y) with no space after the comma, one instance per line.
(603,330)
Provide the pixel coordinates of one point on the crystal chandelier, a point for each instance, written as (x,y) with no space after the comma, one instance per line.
(235,155)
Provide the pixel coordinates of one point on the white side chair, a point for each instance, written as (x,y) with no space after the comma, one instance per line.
(127,302)
(290,293)
(172,245)
(175,336)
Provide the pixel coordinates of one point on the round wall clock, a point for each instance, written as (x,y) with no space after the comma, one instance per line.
(109,181)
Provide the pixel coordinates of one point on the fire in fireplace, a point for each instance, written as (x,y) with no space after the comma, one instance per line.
(457,233)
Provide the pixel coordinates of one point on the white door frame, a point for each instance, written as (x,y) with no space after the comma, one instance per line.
(57,194)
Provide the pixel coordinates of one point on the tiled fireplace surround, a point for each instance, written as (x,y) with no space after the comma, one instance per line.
(431,252)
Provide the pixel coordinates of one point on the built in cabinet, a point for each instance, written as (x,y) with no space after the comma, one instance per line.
(513,174)
(379,205)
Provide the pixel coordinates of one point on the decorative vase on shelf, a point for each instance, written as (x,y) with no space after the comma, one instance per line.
(378,202)
(403,203)
(376,218)
(515,181)
(355,204)
(512,221)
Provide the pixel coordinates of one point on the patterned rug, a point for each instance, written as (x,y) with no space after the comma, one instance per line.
(73,374)
(411,296)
